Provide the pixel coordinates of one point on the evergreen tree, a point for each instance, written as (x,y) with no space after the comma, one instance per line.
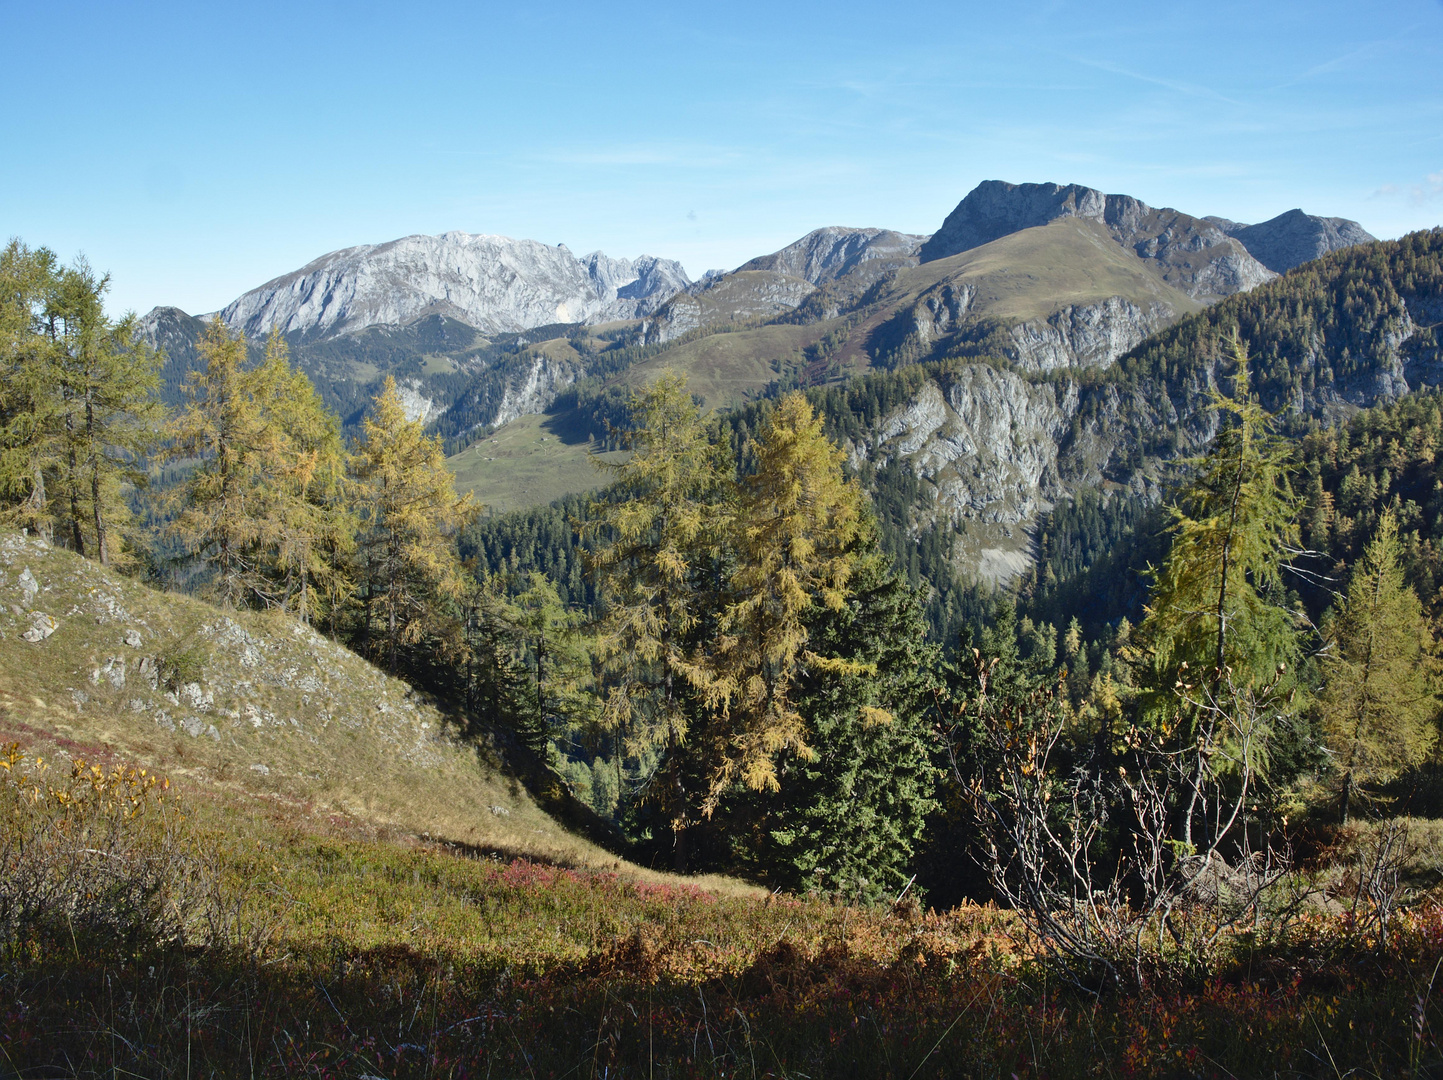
(847,818)
(497,686)
(798,519)
(79,408)
(1218,601)
(27,399)
(1379,701)
(560,659)
(409,515)
(653,535)
(1217,625)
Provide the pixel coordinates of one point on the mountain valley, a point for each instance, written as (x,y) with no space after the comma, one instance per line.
(1027,295)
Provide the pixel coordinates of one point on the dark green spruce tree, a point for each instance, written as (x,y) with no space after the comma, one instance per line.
(847,819)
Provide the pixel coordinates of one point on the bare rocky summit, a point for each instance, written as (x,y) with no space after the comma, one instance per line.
(493,283)
(826,254)
(1293,238)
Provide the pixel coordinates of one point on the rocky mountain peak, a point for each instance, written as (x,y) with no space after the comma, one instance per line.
(1191,254)
(1293,237)
(494,283)
(995,208)
(829,253)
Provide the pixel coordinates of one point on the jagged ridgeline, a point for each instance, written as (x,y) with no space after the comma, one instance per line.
(982,472)
(482,330)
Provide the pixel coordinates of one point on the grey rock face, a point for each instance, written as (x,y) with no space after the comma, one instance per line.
(739,297)
(1293,238)
(532,394)
(826,254)
(41,627)
(1191,254)
(649,281)
(493,283)
(940,310)
(987,439)
(995,208)
(1086,335)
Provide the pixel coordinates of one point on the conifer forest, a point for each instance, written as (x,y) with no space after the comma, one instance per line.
(1165,802)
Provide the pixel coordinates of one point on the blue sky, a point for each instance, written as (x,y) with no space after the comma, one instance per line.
(196,150)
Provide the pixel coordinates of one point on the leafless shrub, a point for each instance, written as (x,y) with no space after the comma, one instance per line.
(1124,852)
(1374,862)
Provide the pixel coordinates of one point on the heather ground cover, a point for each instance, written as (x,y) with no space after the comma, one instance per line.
(272,949)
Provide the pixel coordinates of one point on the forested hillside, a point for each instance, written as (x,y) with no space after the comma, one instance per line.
(1199,696)
(684,647)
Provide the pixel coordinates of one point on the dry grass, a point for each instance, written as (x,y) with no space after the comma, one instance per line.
(1030,274)
(388,960)
(525,463)
(730,369)
(265,711)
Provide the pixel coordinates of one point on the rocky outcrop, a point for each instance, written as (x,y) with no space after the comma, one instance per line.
(1074,336)
(1293,238)
(826,254)
(1086,335)
(940,310)
(414,402)
(536,390)
(987,439)
(745,296)
(1191,254)
(493,283)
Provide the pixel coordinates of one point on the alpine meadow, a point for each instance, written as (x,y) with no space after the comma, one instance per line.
(1010,650)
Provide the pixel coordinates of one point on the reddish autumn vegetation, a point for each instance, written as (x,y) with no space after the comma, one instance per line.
(280,953)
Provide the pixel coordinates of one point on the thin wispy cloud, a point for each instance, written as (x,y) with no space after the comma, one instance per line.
(1191,89)
(1345,61)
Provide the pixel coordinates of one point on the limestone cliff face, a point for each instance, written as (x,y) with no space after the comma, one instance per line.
(1086,335)
(493,283)
(996,448)
(940,310)
(826,254)
(987,439)
(1075,336)
(534,390)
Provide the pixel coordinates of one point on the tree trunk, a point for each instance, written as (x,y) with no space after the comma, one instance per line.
(75,534)
(38,505)
(102,541)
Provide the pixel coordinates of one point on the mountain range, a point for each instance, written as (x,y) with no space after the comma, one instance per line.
(521,353)
(461,319)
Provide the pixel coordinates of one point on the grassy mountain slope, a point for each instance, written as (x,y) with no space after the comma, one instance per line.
(247,706)
(531,461)
(1022,278)
(1032,273)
